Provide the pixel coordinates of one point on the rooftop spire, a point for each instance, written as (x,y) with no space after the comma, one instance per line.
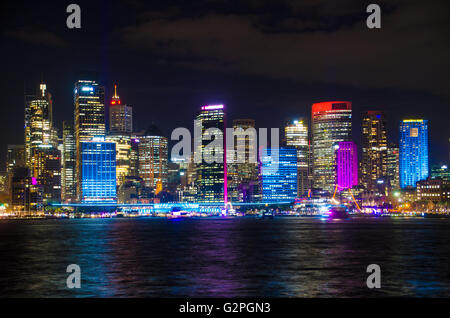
(115,99)
(115,92)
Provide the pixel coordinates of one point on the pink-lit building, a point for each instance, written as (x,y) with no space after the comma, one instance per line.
(346,164)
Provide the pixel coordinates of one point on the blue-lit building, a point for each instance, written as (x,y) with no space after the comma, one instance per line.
(413,152)
(98,171)
(279,174)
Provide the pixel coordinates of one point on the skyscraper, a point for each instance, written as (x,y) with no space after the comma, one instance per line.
(243,175)
(98,170)
(346,165)
(296,134)
(4,183)
(89,118)
(211,173)
(68,180)
(153,158)
(120,116)
(393,166)
(26,194)
(46,170)
(123,155)
(413,151)
(374,149)
(279,174)
(134,155)
(331,124)
(38,121)
(15,157)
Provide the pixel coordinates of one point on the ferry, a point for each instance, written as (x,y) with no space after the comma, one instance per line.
(338,212)
(178,213)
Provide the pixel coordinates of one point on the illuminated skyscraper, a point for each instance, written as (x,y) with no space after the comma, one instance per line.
(331,124)
(26,194)
(134,155)
(296,134)
(38,121)
(98,168)
(242,176)
(68,180)
(153,158)
(54,137)
(374,149)
(279,174)
(413,152)
(393,168)
(123,155)
(120,116)
(89,119)
(46,170)
(211,173)
(4,182)
(15,157)
(346,164)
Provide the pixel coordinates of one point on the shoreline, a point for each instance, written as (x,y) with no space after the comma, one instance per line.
(93,216)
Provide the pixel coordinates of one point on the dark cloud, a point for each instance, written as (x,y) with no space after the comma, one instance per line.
(38,37)
(309,48)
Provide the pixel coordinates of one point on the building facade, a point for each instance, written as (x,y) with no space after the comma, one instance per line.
(440,171)
(98,170)
(46,170)
(153,158)
(68,181)
(296,134)
(393,166)
(15,157)
(413,152)
(374,149)
(331,123)
(279,174)
(211,173)
(242,164)
(123,155)
(38,121)
(435,190)
(346,165)
(89,121)
(120,116)
(26,194)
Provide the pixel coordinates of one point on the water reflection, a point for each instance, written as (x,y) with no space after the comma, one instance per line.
(225,257)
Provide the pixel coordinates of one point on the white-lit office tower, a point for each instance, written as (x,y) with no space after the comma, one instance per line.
(89,101)
(296,134)
(68,164)
(38,121)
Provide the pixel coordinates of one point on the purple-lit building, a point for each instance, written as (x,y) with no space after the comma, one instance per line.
(346,164)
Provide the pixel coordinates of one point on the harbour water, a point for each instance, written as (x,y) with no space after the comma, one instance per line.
(225,257)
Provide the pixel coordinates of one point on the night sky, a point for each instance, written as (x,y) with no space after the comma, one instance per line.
(267,60)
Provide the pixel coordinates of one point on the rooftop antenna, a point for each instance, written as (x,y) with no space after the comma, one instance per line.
(115,91)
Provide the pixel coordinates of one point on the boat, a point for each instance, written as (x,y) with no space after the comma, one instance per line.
(178,213)
(338,212)
(268,214)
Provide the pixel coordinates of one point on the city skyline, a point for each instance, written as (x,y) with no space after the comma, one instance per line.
(325,151)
